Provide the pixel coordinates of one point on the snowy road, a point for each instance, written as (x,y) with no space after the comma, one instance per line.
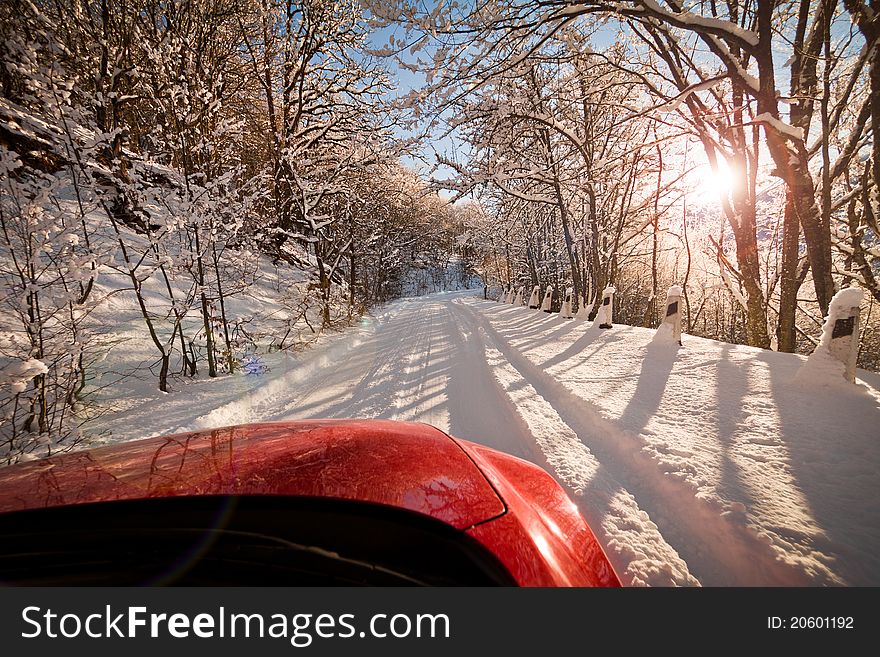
(693,466)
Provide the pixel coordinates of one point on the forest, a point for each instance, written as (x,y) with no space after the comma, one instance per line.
(169,157)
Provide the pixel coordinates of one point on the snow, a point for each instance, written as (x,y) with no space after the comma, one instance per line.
(822,368)
(17,373)
(427,278)
(841,304)
(670,328)
(548,300)
(664,335)
(606,310)
(673,104)
(584,309)
(780,126)
(732,30)
(694,465)
(535,297)
(565,311)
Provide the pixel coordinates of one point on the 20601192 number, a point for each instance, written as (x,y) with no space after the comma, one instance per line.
(810,623)
(820,623)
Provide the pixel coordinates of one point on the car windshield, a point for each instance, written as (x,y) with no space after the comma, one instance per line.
(637,247)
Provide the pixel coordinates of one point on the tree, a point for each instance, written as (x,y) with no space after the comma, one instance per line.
(717,63)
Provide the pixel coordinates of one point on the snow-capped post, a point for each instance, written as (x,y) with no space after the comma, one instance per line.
(671,324)
(548,299)
(845,337)
(535,299)
(519,296)
(607,306)
(566,305)
(838,347)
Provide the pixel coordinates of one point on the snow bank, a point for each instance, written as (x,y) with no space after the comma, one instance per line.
(824,368)
(584,309)
(752,481)
(664,335)
(669,331)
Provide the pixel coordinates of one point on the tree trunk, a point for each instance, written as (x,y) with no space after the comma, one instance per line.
(221,299)
(802,87)
(206,314)
(743,220)
(324,282)
(786,336)
(792,165)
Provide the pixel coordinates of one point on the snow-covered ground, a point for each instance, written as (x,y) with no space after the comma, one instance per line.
(701,464)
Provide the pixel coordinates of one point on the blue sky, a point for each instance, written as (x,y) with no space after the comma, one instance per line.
(407,81)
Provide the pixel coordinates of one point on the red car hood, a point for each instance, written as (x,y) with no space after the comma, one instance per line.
(410,466)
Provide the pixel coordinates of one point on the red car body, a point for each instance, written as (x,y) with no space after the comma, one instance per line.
(510,507)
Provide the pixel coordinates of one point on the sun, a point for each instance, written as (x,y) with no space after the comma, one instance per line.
(713,185)
(720,181)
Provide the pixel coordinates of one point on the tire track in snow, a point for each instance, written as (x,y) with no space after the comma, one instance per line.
(422,379)
(480,408)
(334,393)
(717,551)
(392,374)
(307,374)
